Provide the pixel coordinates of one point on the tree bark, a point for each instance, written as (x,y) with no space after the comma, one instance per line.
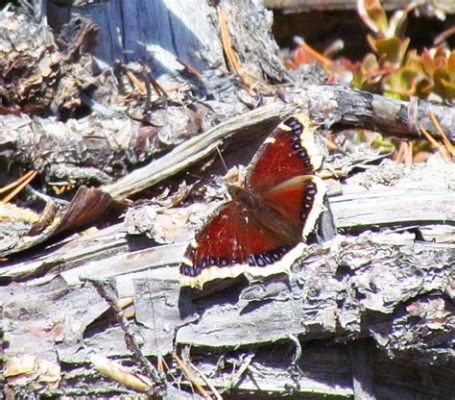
(367,315)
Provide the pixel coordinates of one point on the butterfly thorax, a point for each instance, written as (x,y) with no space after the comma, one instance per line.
(253,206)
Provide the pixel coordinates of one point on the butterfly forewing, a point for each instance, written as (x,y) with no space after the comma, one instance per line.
(282,156)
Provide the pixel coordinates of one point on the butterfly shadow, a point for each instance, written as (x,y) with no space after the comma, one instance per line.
(259,293)
(215,293)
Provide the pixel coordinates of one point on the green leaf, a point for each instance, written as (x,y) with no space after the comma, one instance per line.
(392,49)
(373,15)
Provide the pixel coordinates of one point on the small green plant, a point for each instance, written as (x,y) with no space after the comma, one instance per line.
(392,68)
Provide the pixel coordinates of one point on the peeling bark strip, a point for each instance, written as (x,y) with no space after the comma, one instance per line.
(87,206)
(391,208)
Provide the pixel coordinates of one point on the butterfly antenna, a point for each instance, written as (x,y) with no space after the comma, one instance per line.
(222,159)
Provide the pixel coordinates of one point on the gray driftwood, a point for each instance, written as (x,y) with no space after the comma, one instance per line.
(392,294)
(375,302)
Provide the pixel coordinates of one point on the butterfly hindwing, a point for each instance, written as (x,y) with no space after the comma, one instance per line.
(299,200)
(232,237)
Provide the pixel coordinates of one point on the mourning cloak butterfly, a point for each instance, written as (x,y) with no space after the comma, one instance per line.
(277,208)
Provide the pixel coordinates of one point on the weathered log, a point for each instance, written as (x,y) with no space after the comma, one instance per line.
(382,287)
(377,198)
(342,291)
(61,155)
(363,316)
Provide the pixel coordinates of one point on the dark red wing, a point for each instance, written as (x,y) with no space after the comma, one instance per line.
(299,200)
(279,205)
(233,237)
(288,152)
